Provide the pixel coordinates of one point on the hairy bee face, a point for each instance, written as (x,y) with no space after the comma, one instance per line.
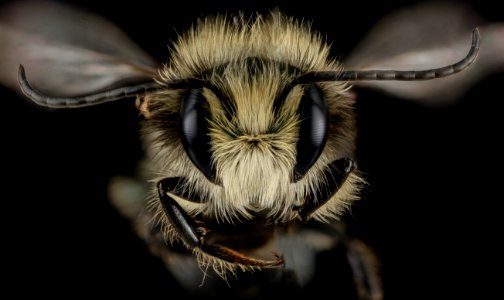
(248,147)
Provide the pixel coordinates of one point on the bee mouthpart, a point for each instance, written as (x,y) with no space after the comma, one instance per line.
(192,233)
(236,257)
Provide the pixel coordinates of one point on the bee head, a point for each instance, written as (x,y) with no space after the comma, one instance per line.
(253,139)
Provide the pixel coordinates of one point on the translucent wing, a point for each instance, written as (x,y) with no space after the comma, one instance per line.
(67,51)
(429,35)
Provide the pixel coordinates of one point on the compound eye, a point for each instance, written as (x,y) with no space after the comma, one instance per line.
(194,132)
(312,131)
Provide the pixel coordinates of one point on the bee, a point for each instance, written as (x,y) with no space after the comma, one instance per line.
(249,131)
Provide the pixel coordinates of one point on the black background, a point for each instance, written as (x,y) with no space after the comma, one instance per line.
(431,213)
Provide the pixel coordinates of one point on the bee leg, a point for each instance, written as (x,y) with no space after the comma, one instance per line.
(190,232)
(338,171)
(364,266)
(355,264)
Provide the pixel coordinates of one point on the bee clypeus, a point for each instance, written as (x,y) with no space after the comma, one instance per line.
(250,136)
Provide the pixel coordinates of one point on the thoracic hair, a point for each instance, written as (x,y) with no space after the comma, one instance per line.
(249,62)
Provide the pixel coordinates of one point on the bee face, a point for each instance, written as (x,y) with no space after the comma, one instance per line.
(250,146)
(246,143)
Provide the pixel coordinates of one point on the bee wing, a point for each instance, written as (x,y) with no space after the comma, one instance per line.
(424,36)
(67,51)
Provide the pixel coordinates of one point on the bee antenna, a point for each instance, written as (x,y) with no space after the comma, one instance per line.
(81,101)
(410,75)
(100,97)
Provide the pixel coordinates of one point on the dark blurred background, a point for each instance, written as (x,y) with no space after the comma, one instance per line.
(431,212)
